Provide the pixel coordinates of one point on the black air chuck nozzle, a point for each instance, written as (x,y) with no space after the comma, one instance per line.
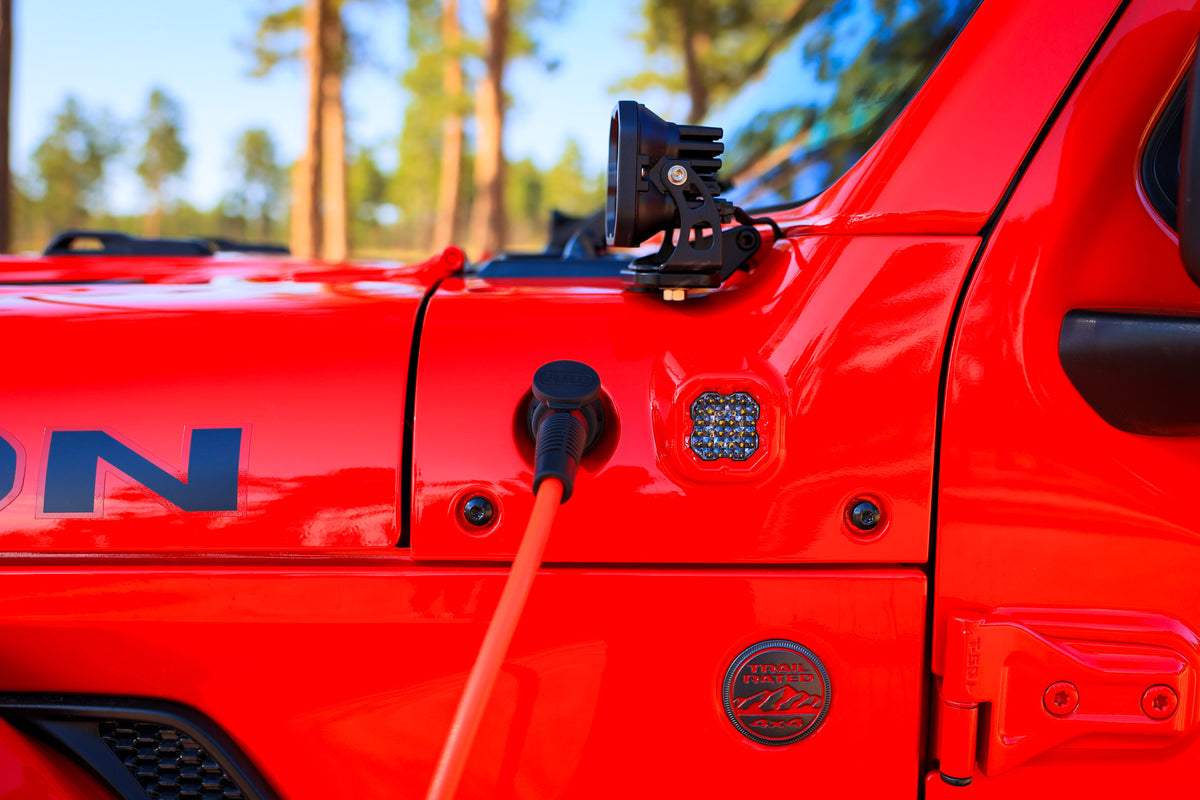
(565,420)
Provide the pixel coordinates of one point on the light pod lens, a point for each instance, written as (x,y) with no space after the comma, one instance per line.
(724,426)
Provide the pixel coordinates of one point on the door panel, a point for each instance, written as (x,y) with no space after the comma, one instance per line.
(1044,504)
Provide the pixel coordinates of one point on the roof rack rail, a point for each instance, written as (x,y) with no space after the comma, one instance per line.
(232,246)
(113,243)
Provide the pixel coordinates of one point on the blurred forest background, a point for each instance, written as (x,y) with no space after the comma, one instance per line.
(450,180)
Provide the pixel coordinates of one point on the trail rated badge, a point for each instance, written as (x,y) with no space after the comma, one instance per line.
(776,692)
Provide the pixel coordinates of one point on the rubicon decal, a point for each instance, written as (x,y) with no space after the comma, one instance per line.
(776,692)
(75,464)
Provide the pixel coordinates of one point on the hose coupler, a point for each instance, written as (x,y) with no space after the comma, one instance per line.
(565,420)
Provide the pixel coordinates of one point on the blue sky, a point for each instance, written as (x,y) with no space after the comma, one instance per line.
(111,54)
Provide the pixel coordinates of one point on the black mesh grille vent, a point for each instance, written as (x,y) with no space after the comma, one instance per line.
(168,763)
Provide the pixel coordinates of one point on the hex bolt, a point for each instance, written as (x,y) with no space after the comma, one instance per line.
(478,511)
(865,515)
(677,175)
(1061,698)
(1160,702)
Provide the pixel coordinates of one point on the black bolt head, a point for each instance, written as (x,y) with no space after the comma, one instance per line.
(748,239)
(865,515)
(478,511)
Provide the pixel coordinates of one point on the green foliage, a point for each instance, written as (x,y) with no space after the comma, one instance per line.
(897,50)
(163,153)
(525,15)
(532,194)
(733,41)
(256,199)
(65,186)
(70,163)
(414,185)
(568,187)
(185,220)
(28,229)
(525,198)
(867,58)
(428,55)
(854,70)
(182,221)
(278,38)
(367,193)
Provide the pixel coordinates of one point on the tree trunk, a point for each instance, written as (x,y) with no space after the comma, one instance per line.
(697,88)
(488,217)
(334,236)
(262,225)
(298,233)
(6,42)
(306,177)
(154,220)
(445,229)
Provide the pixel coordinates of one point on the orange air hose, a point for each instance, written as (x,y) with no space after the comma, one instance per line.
(495,643)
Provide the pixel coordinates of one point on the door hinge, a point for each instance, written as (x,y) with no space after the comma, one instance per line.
(1017,682)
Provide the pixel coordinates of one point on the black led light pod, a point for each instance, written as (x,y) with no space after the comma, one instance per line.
(662,177)
(638,208)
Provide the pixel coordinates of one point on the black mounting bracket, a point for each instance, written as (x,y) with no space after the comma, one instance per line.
(662,179)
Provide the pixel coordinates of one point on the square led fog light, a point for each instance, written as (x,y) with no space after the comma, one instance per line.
(724,426)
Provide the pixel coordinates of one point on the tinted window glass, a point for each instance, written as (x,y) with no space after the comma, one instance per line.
(1160,161)
(840,73)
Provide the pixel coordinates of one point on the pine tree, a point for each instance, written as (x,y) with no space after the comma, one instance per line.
(262,180)
(6,182)
(449,197)
(70,164)
(163,153)
(319,214)
(709,49)
(508,37)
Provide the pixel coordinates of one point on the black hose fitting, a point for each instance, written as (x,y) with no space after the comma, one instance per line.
(565,420)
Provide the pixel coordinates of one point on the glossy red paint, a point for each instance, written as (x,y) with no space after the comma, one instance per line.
(945,163)
(838,337)
(336,667)
(341,681)
(21,274)
(32,771)
(314,372)
(1006,669)
(1042,503)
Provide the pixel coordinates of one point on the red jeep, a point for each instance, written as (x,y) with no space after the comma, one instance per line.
(890,493)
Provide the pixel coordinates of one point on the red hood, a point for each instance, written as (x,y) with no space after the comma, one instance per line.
(305,365)
(197,269)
